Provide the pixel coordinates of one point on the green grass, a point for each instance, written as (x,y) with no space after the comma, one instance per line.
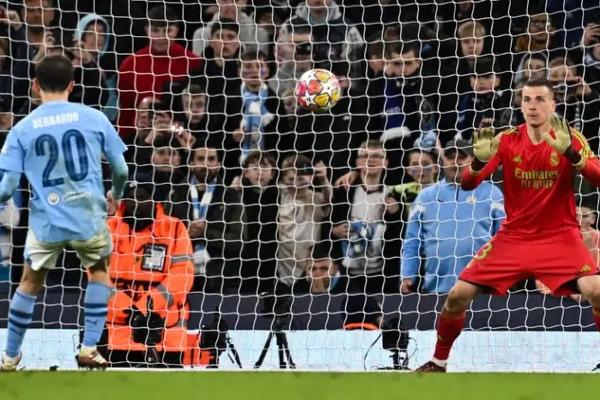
(290,386)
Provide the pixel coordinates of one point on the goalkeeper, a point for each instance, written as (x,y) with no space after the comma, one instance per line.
(540,237)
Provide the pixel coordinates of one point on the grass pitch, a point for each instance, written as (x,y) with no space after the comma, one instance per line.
(182,385)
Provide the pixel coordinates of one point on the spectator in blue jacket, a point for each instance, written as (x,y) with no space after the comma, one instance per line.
(447,225)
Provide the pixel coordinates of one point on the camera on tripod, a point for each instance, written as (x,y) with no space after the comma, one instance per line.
(214,339)
(395,338)
(278,306)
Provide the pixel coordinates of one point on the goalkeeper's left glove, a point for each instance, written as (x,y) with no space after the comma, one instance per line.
(562,134)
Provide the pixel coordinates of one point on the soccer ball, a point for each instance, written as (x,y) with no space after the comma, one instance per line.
(317,90)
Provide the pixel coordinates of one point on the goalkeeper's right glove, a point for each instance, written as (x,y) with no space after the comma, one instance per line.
(485,144)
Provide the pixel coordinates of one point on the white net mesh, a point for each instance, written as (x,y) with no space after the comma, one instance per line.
(318,208)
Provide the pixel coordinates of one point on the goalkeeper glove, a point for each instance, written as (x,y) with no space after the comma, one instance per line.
(562,134)
(485,144)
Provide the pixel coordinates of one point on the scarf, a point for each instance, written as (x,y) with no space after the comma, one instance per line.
(394,103)
(254,110)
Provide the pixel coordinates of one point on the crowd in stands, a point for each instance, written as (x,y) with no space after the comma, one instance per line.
(363,198)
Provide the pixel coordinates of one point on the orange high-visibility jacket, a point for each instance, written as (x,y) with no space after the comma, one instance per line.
(156,264)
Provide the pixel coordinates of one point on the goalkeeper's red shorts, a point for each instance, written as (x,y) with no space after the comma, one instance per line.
(557,260)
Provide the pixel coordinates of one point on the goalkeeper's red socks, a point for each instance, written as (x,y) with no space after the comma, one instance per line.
(450,325)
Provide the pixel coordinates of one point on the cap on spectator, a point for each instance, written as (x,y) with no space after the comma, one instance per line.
(461,145)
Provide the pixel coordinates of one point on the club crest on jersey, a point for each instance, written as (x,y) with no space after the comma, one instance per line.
(554,160)
(53,199)
(471,199)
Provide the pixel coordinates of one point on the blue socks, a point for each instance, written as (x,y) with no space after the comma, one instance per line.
(95,306)
(20,314)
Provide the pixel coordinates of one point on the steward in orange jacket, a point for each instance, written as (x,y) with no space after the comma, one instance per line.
(151,264)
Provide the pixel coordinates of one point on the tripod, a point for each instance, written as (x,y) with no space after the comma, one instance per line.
(285,358)
(233,354)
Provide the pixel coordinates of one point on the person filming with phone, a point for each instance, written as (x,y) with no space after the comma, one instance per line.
(575,99)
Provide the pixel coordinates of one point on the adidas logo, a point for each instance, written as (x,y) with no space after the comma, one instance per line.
(585,268)
(517,159)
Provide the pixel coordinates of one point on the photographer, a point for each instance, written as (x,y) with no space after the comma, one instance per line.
(575,99)
(152,273)
(305,193)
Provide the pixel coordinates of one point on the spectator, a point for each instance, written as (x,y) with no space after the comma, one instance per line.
(167,173)
(144,73)
(6,80)
(253,37)
(375,60)
(269,20)
(262,110)
(513,116)
(6,121)
(540,37)
(324,274)
(404,105)
(576,101)
(591,60)
(360,217)
(483,106)
(532,66)
(213,215)
(332,137)
(304,197)
(293,55)
(447,225)
(152,273)
(471,41)
(333,38)
(9,219)
(152,120)
(91,43)
(422,167)
(591,236)
(221,77)
(193,101)
(259,202)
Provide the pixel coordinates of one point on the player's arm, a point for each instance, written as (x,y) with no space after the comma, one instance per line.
(486,160)
(9,185)
(120,173)
(583,159)
(113,150)
(11,163)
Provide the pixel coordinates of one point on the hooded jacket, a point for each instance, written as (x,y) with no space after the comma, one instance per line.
(333,38)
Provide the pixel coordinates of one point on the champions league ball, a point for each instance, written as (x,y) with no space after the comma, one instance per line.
(318,90)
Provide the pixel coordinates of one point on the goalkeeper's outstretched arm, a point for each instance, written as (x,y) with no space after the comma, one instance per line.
(486,160)
(583,159)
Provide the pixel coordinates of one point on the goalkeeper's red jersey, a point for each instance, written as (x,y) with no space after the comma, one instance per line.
(538,183)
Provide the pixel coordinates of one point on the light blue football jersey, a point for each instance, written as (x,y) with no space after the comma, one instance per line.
(59,147)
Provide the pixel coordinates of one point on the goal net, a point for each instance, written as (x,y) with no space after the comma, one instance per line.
(249,218)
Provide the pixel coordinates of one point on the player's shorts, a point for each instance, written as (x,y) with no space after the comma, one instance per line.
(45,255)
(557,260)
